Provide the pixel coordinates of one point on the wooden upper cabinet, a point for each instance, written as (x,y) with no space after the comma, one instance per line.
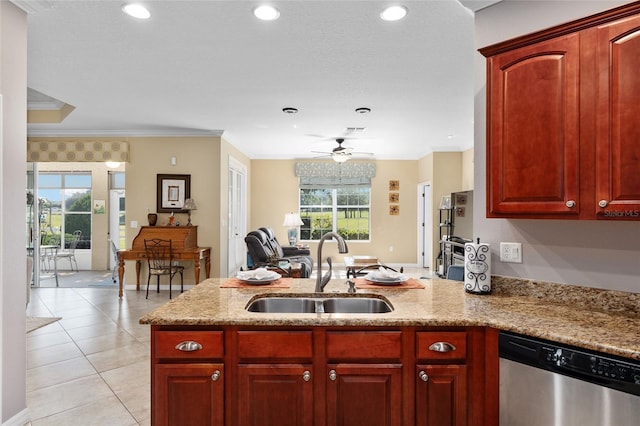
(618,123)
(532,160)
(563,135)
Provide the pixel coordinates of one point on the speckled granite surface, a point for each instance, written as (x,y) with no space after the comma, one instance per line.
(606,321)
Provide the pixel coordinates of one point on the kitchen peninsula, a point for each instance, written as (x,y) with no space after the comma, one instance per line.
(321,368)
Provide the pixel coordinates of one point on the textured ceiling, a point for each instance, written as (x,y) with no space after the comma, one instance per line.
(205,67)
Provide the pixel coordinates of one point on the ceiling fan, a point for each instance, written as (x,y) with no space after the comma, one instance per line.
(340,154)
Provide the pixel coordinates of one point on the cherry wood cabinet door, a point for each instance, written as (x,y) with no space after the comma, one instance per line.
(441,395)
(533,130)
(364,394)
(277,394)
(618,128)
(188,394)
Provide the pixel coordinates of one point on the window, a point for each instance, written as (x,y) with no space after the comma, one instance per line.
(65,206)
(345,210)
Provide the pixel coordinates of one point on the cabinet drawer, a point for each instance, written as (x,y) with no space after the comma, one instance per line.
(364,345)
(275,345)
(211,344)
(447,345)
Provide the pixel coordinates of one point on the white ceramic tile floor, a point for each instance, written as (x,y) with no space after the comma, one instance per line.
(92,366)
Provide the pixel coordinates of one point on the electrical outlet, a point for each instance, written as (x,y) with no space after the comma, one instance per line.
(511,252)
(390,248)
(134,224)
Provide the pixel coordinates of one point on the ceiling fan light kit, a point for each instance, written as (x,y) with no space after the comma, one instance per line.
(266,13)
(136,10)
(340,157)
(290,110)
(363,110)
(393,13)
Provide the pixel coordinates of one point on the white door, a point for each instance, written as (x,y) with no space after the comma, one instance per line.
(236,250)
(425,225)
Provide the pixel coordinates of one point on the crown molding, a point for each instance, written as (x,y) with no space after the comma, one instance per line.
(33,6)
(123,133)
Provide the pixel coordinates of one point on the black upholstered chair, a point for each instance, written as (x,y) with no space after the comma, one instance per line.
(266,251)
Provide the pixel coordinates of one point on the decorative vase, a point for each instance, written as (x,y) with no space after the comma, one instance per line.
(152,218)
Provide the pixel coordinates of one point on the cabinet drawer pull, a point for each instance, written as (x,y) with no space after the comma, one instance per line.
(188,346)
(442,347)
(215,376)
(332,375)
(306,376)
(571,204)
(423,376)
(603,203)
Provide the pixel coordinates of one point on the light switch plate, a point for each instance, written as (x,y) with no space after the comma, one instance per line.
(134,224)
(511,252)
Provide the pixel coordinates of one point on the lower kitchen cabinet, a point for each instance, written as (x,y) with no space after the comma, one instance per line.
(441,395)
(275,395)
(402,376)
(188,394)
(364,394)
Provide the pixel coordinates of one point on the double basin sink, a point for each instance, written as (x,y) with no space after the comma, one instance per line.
(338,304)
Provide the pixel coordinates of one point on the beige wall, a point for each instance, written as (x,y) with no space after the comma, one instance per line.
(467,170)
(274,192)
(196,156)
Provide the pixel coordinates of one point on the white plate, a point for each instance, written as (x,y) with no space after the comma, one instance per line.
(261,281)
(382,280)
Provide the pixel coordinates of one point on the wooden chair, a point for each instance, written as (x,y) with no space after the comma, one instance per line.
(161,262)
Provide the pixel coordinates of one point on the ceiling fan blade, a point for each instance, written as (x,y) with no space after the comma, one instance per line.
(321,152)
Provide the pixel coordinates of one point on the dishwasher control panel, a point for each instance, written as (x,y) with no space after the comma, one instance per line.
(583,364)
(587,363)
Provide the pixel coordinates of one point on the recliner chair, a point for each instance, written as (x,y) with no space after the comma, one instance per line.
(264,250)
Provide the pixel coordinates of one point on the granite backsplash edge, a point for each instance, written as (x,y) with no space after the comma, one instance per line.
(609,301)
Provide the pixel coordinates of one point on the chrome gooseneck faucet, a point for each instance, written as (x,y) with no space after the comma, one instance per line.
(321,281)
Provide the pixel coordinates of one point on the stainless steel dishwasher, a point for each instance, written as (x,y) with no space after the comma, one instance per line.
(549,384)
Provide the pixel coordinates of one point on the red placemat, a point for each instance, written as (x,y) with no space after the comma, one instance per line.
(410,283)
(236,283)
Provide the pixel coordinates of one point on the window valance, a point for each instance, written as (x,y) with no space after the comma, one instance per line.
(47,150)
(334,175)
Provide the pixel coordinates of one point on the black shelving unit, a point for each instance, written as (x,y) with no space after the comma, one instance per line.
(446,231)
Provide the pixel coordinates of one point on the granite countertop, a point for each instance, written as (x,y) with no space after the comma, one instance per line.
(606,321)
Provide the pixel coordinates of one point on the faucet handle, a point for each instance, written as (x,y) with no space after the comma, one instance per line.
(352,286)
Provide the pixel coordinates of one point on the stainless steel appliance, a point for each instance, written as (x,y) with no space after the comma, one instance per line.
(549,384)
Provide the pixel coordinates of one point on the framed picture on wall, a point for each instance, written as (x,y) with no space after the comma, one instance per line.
(394,185)
(172,190)
(394,197)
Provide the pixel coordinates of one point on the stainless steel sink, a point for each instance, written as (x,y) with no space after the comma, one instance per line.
(330,305)
(283,305)
(356,305)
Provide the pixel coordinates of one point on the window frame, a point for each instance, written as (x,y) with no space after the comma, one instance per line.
(334,208)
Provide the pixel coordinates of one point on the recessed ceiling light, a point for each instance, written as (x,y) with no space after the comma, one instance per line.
(393,13)
(136,10)
(290,110)
(266,13)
